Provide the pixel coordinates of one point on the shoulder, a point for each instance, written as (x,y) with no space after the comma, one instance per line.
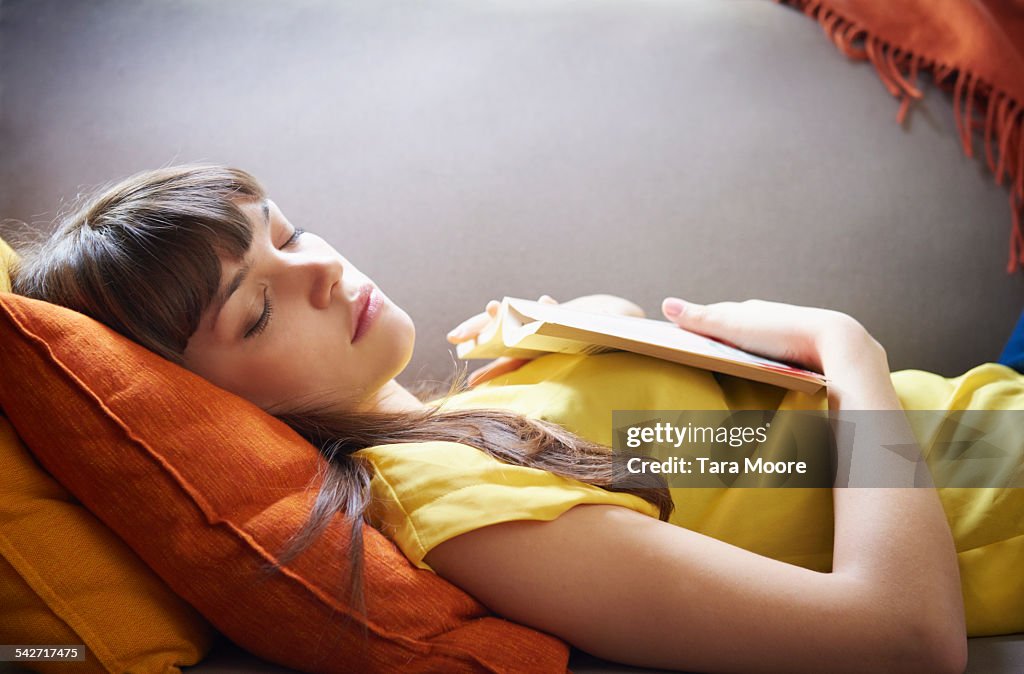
(427,493)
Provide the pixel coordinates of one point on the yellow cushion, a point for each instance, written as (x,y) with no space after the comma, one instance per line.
(65,578)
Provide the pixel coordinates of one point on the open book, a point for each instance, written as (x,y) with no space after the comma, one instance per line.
(525,329)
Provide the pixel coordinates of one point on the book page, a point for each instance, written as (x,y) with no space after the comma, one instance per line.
(646,330)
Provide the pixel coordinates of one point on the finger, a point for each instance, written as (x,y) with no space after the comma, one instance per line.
(699,318)
(469,328)
(689,315)
(674,308)
(492,308)
(496,368)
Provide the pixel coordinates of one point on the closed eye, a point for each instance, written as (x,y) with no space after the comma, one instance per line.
(261,323)
(293,239)
(263,320)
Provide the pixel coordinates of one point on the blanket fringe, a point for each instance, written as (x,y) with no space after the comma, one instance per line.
(998,116)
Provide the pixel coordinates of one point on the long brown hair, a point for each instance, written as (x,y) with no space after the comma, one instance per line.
(143,256)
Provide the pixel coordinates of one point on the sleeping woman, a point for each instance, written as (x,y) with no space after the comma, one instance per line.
(502,486)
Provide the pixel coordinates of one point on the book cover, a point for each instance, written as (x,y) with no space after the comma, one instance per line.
(526,329)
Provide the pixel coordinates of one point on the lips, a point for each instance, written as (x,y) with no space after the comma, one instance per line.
(359,307)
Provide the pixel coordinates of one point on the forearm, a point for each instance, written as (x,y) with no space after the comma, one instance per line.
(895,543)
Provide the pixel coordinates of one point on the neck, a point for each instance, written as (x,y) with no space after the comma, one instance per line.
(393,397)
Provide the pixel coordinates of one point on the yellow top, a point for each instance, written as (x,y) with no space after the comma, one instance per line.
(426,493)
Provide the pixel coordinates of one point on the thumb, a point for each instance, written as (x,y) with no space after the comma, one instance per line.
(692,316)
(673,307)
(699,318)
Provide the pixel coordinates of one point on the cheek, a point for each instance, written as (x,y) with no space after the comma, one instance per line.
(272,381)
(313,356)
(236,374)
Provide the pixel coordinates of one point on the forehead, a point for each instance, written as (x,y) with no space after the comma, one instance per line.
(234,271)
(258,217)
(257,211)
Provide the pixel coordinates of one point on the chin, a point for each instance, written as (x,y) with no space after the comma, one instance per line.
(398,338)
(409,343)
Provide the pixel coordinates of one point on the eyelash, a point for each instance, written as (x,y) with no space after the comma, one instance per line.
(268,308)
(294,237)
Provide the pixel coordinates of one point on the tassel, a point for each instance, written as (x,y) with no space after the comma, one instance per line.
(901,114)
(874,48)
(968,138)
(1016,236)
(908,88)
(981,92)
(835,31)
(823,18)
(1019,175)
(1017,205)
(911,90)
(1000,118)
(958,95)
(896,77)
(990,117)
(830,23)
(1005,130)
(848,36)
(890,67)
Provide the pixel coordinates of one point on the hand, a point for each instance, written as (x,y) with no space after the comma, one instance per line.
(472,327)
(606,304)
(805,336)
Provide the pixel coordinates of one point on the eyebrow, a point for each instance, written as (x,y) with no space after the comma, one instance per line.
(222,297)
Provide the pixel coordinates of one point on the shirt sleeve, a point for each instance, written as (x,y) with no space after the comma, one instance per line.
(428,492)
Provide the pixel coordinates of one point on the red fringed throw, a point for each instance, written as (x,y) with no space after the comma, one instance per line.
(975,47)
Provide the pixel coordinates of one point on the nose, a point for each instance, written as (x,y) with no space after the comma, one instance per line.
(325,272)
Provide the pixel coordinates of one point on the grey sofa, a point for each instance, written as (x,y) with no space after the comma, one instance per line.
(458,151)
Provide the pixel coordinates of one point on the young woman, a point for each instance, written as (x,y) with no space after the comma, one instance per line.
(198,265)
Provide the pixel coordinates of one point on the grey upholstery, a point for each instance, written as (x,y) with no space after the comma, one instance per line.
(989,655)
(457,151)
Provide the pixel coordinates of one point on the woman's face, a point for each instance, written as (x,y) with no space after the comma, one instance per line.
(280,332)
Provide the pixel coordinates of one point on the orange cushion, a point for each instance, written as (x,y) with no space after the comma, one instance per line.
(207,488)
(67,579)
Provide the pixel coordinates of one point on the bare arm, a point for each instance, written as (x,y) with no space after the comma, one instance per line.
(630,588)
(895,542)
